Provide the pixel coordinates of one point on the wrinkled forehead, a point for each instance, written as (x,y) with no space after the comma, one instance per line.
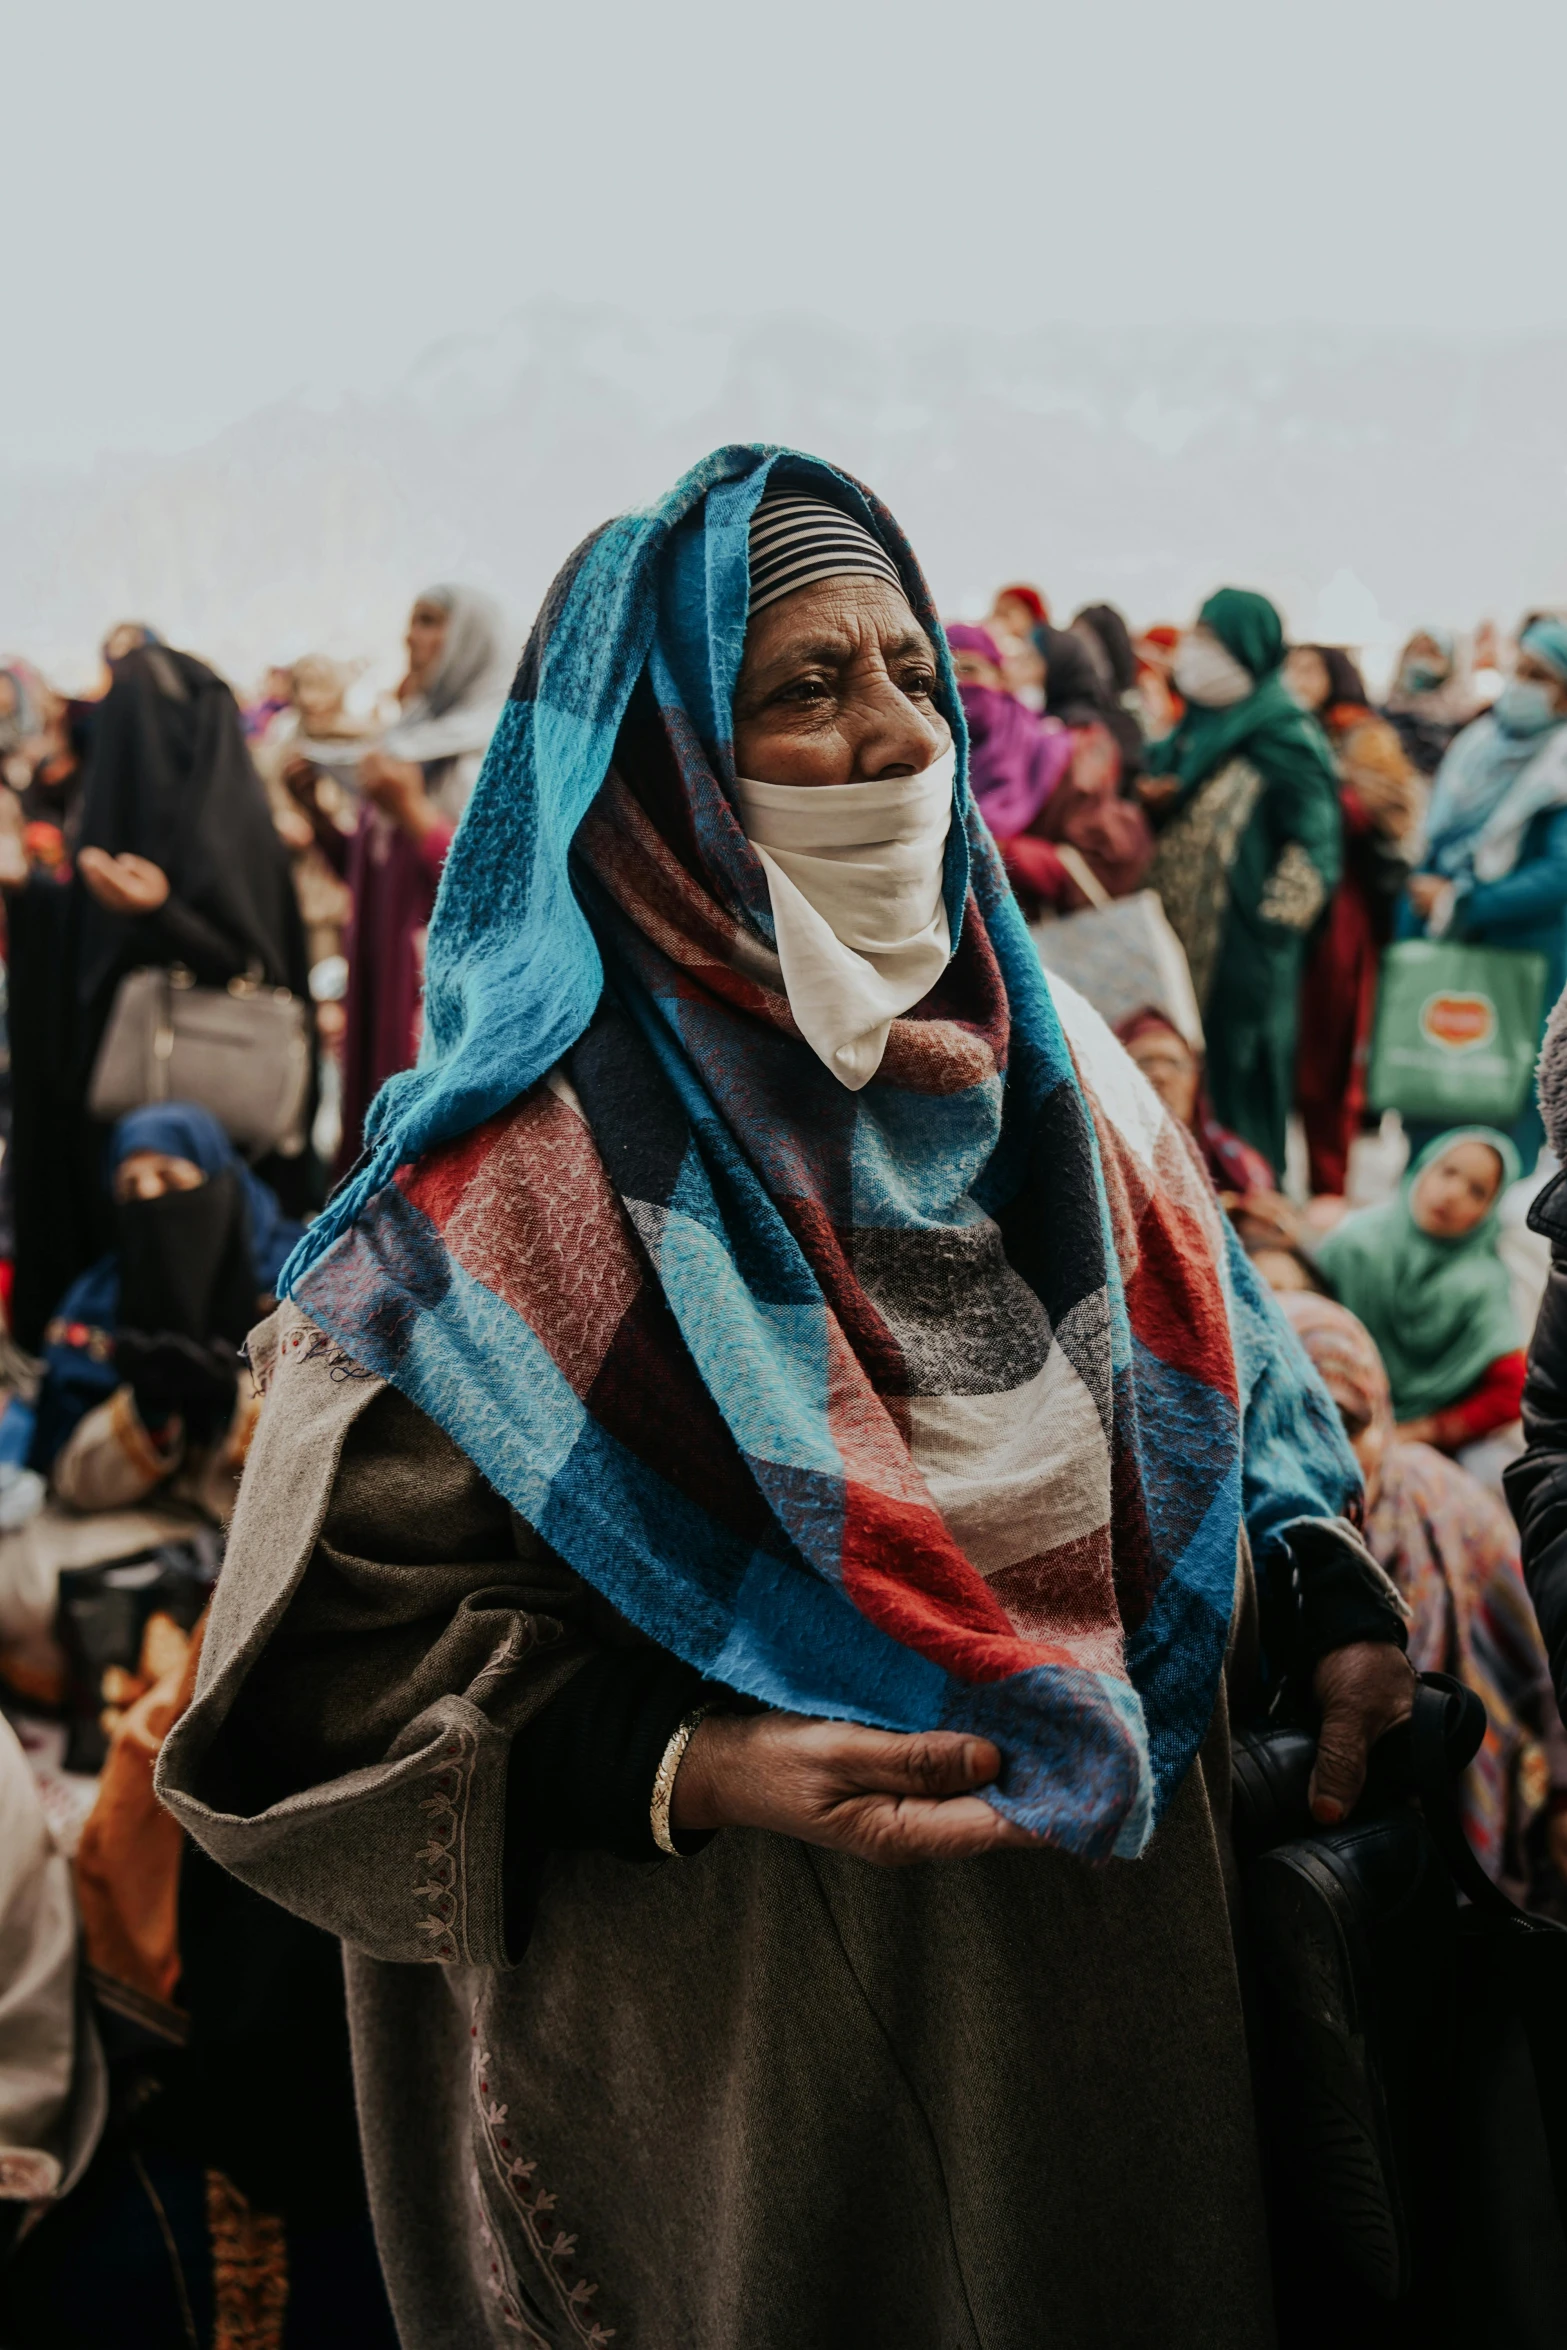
(834,622)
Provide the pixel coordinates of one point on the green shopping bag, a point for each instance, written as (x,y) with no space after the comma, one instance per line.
(1458,1030)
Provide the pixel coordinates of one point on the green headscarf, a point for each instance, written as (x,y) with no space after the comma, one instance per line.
(1440,1310)
(1275,733)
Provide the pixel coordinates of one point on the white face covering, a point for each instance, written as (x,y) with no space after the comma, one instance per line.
(1206,674)
(854,874)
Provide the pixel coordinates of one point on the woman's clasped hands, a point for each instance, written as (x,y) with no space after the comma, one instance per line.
(884,1796)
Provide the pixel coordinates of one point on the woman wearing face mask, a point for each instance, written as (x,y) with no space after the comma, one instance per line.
(1250,850)
(1493,871)
(714,1445)
(1424,1275)
(1433,695)
(143,1388)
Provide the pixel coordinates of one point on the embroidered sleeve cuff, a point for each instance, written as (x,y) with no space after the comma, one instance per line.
(1341,1593)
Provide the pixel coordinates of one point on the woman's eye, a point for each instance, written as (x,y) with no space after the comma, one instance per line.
(805,689)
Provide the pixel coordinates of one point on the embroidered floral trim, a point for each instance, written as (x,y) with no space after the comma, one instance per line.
(1191,865)
(533,2204)
(304,1343)
(522,1636)
(440,1856)
(501,2280)
(1294,893)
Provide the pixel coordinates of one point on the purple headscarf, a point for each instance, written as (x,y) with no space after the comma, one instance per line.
(1015,759)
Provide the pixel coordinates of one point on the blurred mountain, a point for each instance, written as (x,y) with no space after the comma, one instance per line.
(1366,480)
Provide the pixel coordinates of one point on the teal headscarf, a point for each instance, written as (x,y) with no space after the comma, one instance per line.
(1273,731)
(1439,1310)
(1492,784)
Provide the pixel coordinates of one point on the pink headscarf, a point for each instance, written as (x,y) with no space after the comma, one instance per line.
(1015,759)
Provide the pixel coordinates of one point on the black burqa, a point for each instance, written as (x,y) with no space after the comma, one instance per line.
(169,778)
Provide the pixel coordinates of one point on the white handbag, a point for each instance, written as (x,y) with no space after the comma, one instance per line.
(1120,953)
(242,1052)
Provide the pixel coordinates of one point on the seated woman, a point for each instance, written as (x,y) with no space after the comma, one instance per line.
(1423,1274)
(1452,1549)
(1174,1070)
(144,1390)
(778,1397)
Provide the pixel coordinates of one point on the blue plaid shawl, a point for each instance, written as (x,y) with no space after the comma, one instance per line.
(938,1404)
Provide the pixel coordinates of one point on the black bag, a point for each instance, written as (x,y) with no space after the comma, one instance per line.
(1510,2069)
(1411,2054)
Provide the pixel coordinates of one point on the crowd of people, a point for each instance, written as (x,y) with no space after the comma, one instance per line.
(755,1330)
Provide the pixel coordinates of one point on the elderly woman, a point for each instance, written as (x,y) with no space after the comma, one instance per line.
(776,1399)
(1249,853)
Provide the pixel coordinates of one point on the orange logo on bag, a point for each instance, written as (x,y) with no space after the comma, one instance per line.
(1458,1021)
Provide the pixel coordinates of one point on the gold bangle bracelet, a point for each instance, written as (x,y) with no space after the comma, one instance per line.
(664,1780)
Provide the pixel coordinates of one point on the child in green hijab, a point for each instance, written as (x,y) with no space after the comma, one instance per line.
(1424,1275)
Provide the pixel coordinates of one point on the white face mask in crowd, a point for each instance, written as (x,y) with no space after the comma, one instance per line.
(854,872)
(1524,706)
(1206,674)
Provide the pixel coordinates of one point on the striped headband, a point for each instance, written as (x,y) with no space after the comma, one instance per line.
(796,541)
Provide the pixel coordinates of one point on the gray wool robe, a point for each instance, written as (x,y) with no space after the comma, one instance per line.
(766,2096)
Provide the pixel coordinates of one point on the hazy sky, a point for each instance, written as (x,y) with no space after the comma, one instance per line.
(212,204)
